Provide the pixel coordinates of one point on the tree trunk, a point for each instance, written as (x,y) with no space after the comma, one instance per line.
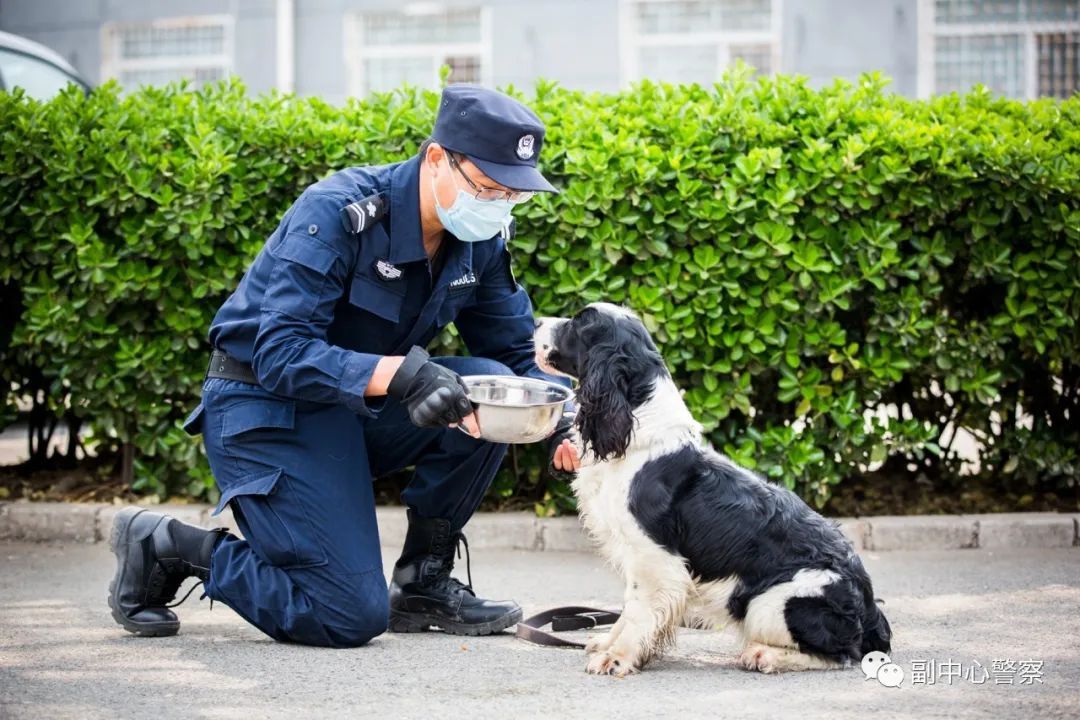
(127,465)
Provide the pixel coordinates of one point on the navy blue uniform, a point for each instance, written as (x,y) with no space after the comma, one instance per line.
(295,455)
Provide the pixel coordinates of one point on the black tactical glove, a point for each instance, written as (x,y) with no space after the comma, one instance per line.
(562,431)
(434,396)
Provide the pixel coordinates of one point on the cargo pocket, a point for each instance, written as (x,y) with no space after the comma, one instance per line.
(376,298)
(299,275)
(274,520)
(256,413)
(270,511)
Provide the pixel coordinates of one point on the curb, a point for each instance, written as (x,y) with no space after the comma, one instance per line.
(91,523)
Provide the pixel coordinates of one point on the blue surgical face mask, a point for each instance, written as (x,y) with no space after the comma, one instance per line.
(472,220)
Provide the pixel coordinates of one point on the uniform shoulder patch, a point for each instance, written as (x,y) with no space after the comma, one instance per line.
(362,214)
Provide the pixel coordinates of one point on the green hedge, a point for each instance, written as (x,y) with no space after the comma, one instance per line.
(801,256)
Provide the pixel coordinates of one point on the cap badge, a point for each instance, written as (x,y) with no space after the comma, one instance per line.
(525,147)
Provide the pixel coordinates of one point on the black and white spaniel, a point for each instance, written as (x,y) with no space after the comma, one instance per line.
(699,540)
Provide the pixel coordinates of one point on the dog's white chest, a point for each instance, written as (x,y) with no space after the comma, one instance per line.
(598,490)
(603,495)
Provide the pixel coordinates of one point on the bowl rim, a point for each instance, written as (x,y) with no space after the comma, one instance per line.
(546,384)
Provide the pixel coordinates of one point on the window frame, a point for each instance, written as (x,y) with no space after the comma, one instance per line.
(356,52)
(631,41)
(112,66)
(929,30)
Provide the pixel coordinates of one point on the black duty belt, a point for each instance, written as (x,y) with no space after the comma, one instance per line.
(229,368)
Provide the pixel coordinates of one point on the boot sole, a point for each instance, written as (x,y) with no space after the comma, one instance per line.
(416,622)
(119,529)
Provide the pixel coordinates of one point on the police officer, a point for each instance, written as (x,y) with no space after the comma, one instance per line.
(318,381)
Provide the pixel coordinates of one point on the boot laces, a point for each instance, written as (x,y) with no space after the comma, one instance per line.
(188,594)
(166,580)
(447,551)
(191,570)
(168,576)
(163,584)
(459,540)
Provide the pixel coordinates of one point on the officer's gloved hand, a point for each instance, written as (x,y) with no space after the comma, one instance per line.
(434,396)
(568,458)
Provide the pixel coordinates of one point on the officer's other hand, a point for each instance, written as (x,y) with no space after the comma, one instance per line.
(563,459)
(566,457)
(434,396)
(471,425)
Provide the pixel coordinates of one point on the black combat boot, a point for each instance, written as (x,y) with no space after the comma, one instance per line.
(154,555)
(422,593)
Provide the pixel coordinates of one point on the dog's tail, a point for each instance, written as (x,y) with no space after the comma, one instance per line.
(877,635)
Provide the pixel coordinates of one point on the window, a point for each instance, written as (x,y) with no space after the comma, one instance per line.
(38,78)
(1058,56)
(154,53)
(1018,48)
(385,50)
(689,41)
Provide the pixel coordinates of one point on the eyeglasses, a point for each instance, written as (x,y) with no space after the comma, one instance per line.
(487,194)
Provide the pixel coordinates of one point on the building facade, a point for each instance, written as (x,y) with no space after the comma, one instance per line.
(342,48)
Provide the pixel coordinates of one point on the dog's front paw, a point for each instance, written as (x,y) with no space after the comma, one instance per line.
(609,663)
(598,644)
(760,657)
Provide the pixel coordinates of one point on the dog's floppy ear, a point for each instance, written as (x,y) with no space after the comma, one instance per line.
(617,375)
(605,416)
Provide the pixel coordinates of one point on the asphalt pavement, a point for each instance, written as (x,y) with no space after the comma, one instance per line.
(1001,627)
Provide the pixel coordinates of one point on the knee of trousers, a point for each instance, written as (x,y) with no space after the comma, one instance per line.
(357,636)
(351,612)
(483,366)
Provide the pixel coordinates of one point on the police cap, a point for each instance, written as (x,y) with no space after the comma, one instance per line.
(501,136)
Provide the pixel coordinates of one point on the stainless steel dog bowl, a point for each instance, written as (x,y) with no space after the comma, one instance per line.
(515,409)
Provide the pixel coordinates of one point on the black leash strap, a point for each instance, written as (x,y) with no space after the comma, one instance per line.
(562,619)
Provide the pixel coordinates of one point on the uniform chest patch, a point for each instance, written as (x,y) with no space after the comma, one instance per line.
(466,280)
(386,270)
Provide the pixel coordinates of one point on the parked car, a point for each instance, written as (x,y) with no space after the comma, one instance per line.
(41,72)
